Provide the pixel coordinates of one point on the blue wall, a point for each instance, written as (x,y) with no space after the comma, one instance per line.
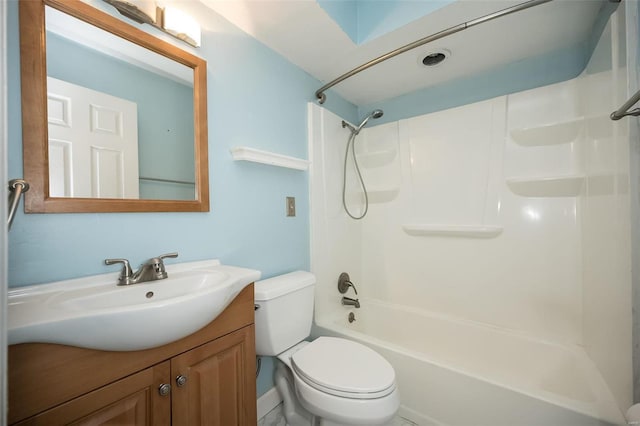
(344,13)
(365,20)
(376,18)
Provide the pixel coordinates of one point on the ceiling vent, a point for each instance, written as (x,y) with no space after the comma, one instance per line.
(434,57)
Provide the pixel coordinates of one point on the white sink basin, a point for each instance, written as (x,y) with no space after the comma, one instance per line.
(93,312)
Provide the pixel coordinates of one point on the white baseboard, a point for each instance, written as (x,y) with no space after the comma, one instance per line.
(268,401)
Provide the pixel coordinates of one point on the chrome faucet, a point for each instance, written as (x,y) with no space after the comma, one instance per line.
(151,270)
(347,301)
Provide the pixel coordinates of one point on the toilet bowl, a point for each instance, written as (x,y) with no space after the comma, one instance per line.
(329,381)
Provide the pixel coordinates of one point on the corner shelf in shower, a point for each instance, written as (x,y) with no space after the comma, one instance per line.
(243,153)
(549,186)
(382,194)
(460,231)
(377,158)
(549,134)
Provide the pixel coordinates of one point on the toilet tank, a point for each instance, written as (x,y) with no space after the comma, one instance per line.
(284,311)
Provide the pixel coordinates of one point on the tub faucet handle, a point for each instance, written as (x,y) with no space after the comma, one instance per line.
(344,282)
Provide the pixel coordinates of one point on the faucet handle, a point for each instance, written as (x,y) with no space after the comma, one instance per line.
(344,282)
(158,264)
(125,274)
(164,256)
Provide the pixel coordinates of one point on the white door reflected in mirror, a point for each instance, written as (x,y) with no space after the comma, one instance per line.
(93,143)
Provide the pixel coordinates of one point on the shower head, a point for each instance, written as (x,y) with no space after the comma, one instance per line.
(375,114)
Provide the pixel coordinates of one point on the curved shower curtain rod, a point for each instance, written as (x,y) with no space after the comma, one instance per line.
(320,95)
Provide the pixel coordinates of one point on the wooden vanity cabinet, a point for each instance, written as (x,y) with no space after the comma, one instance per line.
(211,374)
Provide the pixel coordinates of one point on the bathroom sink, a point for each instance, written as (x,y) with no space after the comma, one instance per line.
(93,312)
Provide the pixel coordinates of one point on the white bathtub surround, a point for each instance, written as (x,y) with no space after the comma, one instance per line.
(605,219)
(494,262)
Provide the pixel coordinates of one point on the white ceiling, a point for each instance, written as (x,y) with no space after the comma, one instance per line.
(303,32)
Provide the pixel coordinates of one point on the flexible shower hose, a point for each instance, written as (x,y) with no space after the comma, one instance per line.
(352,143)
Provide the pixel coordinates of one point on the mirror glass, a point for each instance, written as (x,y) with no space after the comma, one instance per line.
(120,117)
(114,119)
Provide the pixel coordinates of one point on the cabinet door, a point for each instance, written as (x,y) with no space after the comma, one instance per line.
(134,400)
(220,382)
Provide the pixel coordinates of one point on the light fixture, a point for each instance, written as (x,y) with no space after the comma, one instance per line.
(170,20)
(180,25)
(141,11)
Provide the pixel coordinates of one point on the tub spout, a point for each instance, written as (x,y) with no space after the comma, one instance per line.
(347,301)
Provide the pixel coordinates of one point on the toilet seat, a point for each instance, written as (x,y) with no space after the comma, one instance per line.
(343,368)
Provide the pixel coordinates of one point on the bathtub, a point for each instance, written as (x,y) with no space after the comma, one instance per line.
(453,372)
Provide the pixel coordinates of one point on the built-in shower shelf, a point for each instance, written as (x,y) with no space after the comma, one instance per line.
(377,158)
(600,127)
(550,186)
(549,134)
(381,194)
(243,153)
(461,231)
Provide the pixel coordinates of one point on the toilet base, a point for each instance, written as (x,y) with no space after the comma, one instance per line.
(294,413)
(297,414)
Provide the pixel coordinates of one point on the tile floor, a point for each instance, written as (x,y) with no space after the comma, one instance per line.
(275,417)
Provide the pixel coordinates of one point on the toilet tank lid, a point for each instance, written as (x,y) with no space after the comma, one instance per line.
(282,284)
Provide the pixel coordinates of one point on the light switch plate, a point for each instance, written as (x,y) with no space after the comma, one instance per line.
(291,206)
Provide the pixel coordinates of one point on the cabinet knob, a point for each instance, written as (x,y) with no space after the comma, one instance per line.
(164,389)
(181,380)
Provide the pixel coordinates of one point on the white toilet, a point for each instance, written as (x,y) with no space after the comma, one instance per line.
(330,381)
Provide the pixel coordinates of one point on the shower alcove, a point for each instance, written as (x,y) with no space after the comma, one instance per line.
(493,264)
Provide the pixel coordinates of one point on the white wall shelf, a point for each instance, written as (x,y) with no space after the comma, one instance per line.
(549,134)
(549,186)
(460,231)
(243,153)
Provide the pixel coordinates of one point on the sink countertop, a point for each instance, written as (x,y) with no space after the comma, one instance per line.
(94,312)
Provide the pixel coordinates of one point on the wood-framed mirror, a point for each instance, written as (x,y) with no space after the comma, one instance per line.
(55,186)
